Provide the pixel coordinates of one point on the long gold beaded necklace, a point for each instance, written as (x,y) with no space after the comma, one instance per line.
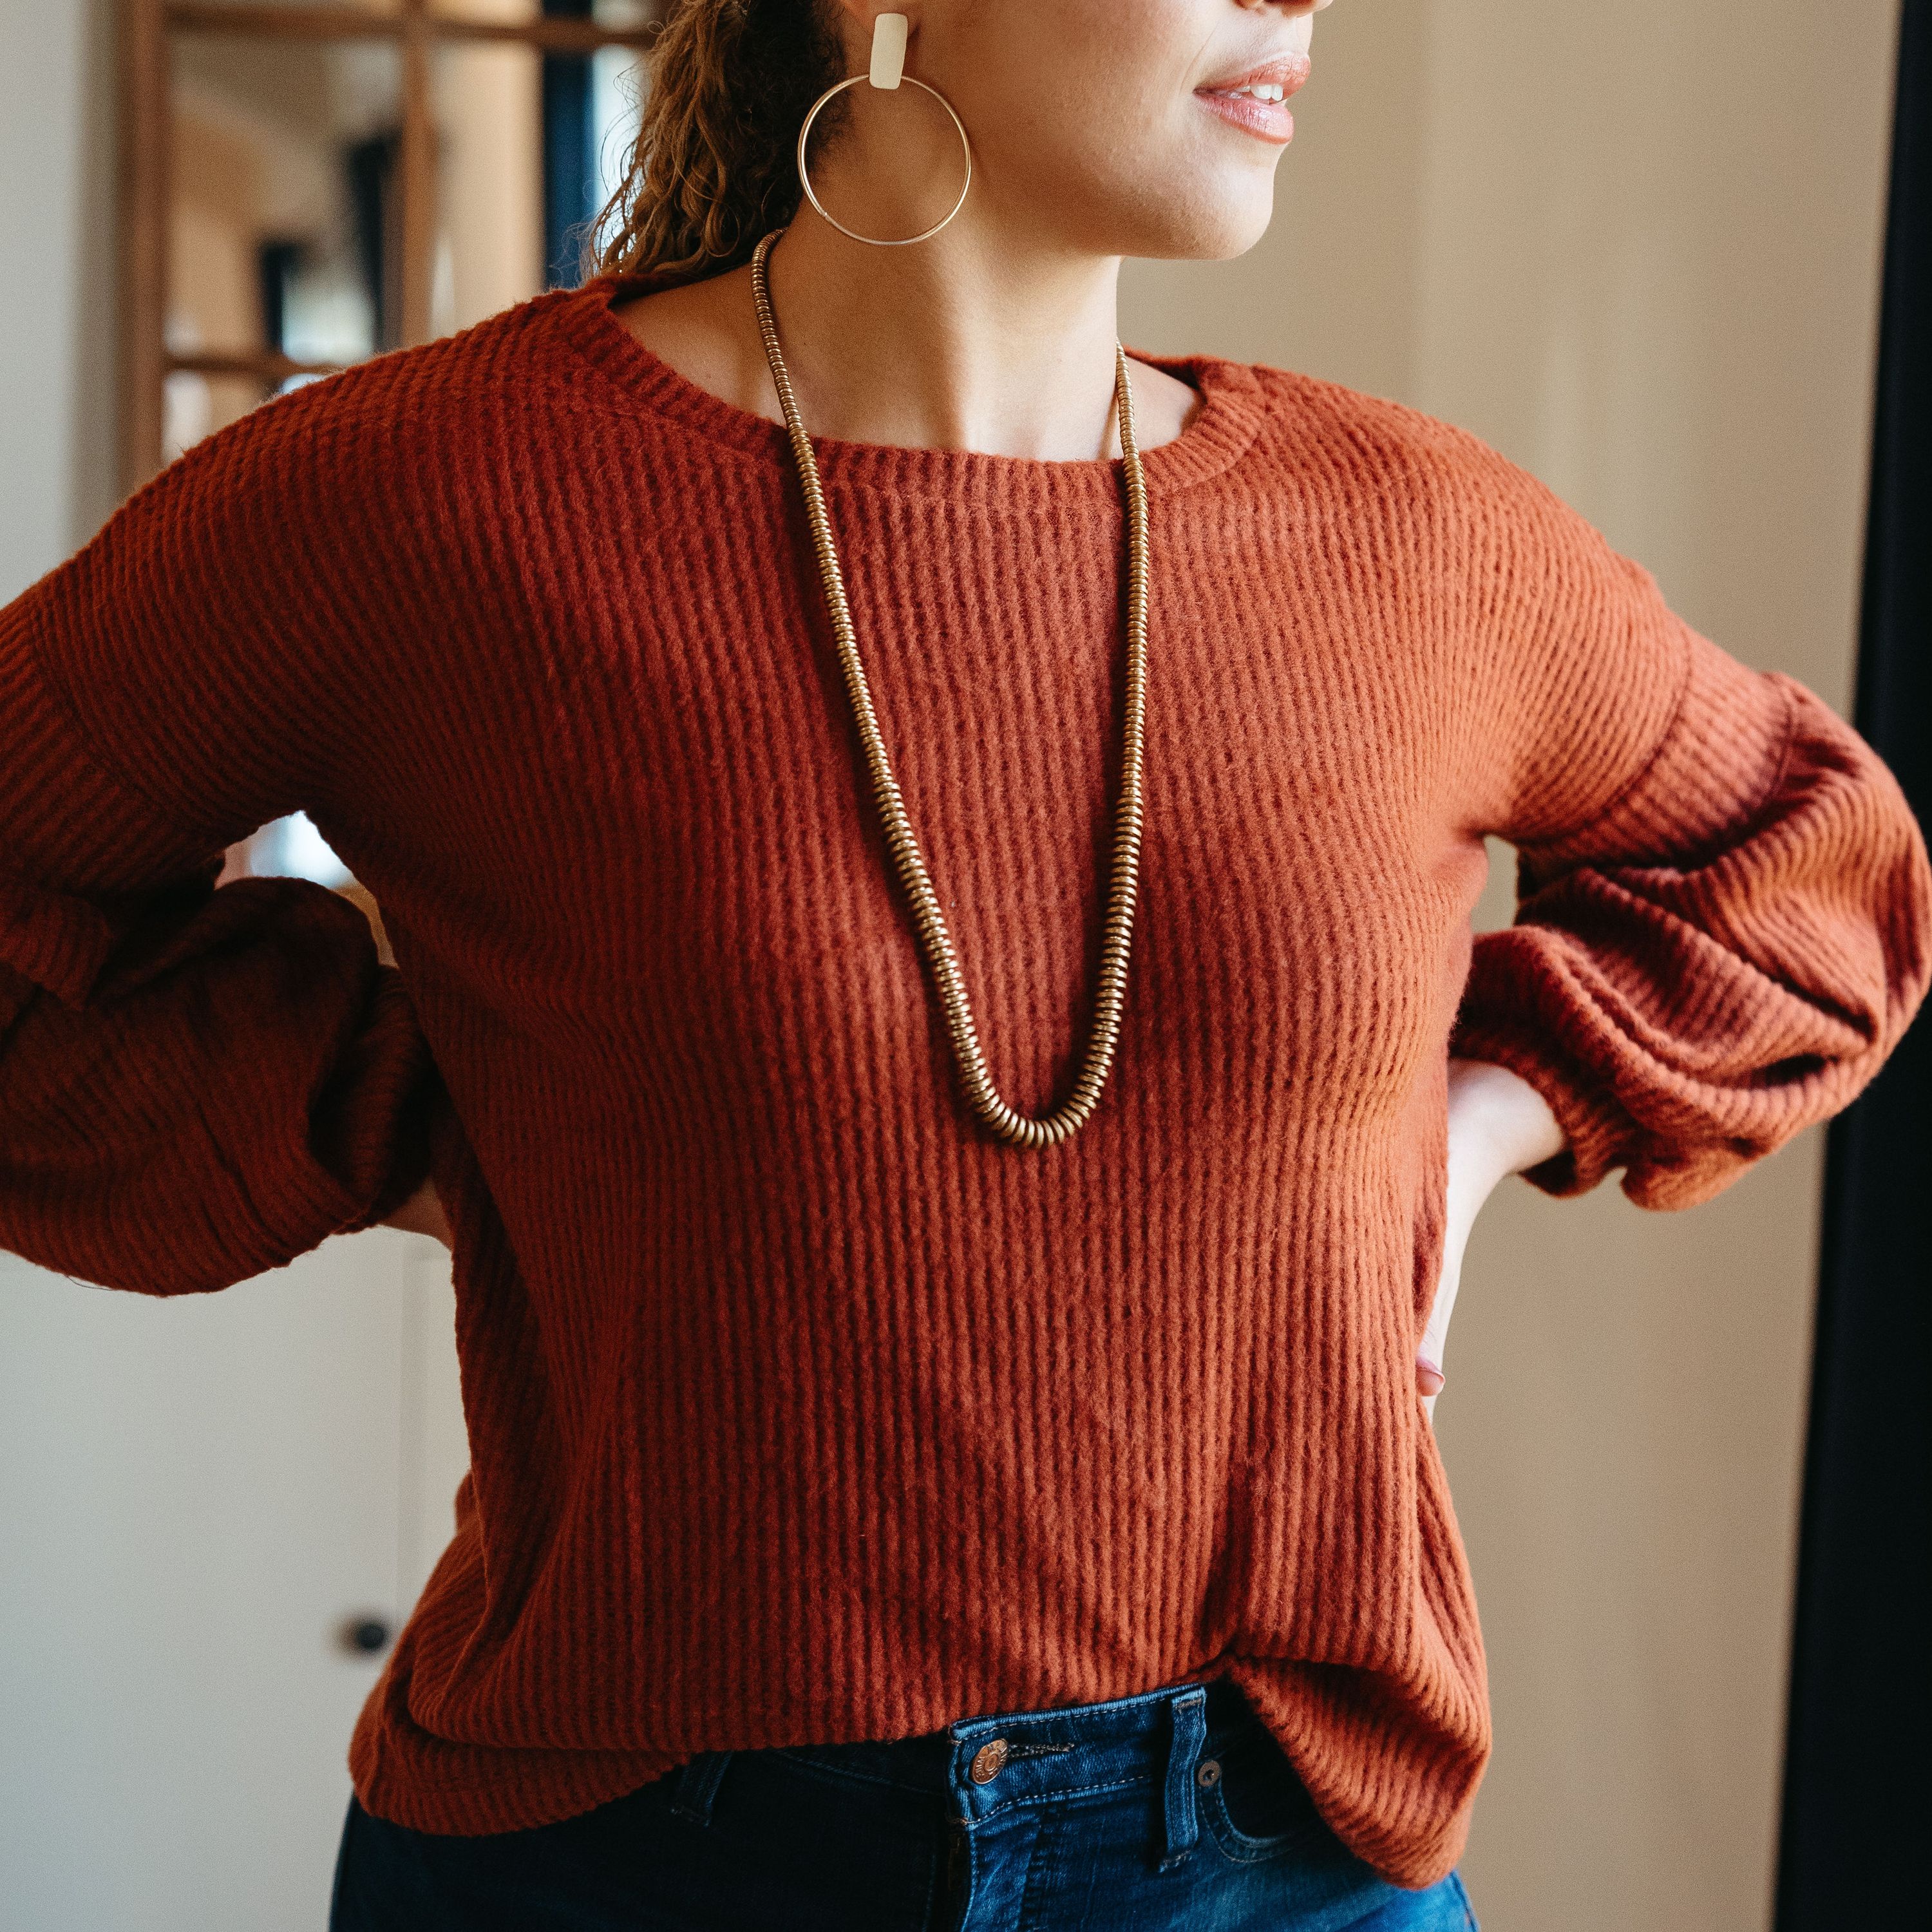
(935,942)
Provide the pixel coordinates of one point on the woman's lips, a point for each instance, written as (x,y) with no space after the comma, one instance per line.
(1247,100)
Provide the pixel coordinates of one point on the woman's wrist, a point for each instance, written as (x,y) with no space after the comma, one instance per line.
(1500,1123)
(422,1213)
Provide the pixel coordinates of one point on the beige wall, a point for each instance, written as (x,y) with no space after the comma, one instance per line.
(1636,248)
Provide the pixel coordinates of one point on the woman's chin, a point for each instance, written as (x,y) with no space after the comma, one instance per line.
(1237,236)
(1215,231)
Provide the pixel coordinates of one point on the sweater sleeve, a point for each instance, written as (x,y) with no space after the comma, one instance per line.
(1724,919)
(196,1084)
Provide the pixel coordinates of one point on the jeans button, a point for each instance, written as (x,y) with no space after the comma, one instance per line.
(1210,1773)
(987,1761)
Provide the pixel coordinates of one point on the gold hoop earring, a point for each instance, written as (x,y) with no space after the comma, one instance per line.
(887,71)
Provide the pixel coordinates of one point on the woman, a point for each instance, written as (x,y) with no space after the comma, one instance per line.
(957,1114)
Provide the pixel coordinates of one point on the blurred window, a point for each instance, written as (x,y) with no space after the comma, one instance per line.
(308,185)
(311,185)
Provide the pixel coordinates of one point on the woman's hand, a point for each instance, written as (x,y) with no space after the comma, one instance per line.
(1498,1123)
(422,1213)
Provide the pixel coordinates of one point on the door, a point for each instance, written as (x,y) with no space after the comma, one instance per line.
(207,1504)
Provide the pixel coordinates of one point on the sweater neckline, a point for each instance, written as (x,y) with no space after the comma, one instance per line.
(1219,433)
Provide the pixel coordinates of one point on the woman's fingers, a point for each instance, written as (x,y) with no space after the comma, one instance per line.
(1429,1377)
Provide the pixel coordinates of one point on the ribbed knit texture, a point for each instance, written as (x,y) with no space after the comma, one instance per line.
(802,1409)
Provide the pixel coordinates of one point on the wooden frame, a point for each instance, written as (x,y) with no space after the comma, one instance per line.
(147,31)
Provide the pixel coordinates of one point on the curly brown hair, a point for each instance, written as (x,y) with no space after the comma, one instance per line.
(727,86)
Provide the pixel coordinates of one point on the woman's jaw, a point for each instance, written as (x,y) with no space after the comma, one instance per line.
(1100,128)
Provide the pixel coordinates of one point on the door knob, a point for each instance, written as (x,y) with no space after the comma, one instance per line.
(364,1635)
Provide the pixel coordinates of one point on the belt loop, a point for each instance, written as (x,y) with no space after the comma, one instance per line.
(697,1784)
(1188,1712)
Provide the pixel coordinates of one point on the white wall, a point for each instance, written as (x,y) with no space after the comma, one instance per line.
(1637,248)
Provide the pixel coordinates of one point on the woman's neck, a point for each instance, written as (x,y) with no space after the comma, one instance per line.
(968,341)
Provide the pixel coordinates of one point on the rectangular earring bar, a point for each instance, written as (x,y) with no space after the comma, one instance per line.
(889,50)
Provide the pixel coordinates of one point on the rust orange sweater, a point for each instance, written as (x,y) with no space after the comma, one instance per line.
(801,1408)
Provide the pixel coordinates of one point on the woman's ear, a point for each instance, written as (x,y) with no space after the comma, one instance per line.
(857,16)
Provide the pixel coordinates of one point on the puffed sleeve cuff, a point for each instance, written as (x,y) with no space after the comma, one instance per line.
(198,1082)
(1723,957)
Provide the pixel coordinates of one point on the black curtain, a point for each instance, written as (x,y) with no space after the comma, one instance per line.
(1858,1773)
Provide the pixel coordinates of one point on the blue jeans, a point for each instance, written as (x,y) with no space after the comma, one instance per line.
(1175,1808)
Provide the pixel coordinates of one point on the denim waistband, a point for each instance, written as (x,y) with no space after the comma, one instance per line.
(985,1765)
(1063,1744)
